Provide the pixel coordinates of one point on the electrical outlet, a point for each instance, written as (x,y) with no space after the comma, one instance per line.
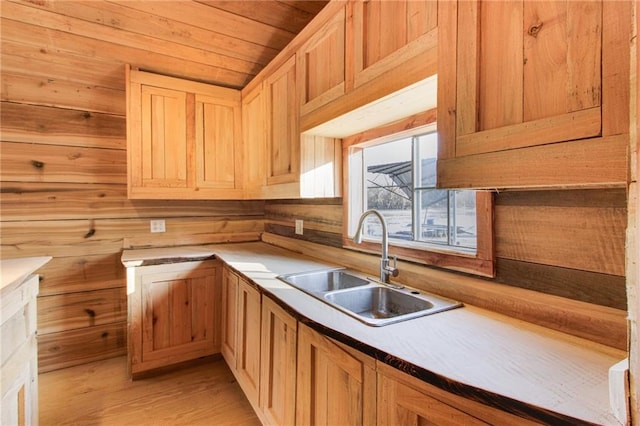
(299,227)
(157,225)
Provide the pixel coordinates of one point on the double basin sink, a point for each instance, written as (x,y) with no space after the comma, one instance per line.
(366,299)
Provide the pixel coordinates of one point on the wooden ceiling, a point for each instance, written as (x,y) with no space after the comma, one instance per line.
(221,42)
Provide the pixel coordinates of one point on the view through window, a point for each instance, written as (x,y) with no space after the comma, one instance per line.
(399,179)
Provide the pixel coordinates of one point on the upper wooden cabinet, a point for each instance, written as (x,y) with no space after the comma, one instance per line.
(283,143)
(254,134)
(384,34)
(321,65)
(387,46)
(218,127)
(518,77)
(297,165)
(183,139)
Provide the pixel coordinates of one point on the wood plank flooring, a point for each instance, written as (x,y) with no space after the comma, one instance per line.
(100,393)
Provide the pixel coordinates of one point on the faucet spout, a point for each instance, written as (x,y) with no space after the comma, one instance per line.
(386,270)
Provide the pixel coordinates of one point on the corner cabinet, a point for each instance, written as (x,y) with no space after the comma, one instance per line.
(184,139)
(173,313)
(336,385)
(533,93)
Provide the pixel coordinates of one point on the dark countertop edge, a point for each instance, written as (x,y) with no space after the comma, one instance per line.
(169,260)
(510,405)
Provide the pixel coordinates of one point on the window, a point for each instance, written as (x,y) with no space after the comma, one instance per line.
(396,175)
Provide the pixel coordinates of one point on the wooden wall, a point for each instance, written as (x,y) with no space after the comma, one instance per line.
(567,243)
(63,192)
(63,189)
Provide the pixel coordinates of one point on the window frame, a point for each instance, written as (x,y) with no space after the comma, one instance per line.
(482,262)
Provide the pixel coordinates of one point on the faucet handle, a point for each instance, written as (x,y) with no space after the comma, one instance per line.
(393,270)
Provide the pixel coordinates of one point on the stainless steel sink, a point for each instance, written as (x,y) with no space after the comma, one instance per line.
(366,299)
(378,302)
(323,281)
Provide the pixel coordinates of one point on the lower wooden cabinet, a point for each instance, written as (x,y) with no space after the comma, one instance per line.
(19,372)
(230,283)
(248,332)
(336,385)
(278,366)
(173,314)
(294,375)
(404,399)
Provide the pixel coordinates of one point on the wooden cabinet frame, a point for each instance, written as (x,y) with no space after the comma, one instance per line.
(321,65)
(283,138)
(403,399)
(582,148)
(248,349)
(184,139)
(173,314)
(335,384)
(415,38)
(229,321)
(279,355)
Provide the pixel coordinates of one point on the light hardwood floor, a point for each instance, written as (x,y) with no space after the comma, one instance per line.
(100,393)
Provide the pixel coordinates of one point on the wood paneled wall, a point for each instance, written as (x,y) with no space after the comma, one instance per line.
(567,243)
(63,189)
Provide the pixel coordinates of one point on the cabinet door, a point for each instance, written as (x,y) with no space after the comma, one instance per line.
(230,283)
(184,139)
(218,129)
(534,94)
(387,34)
(283,140)
(335,386)
(159,158)
(321,65)
(527,66)
(278,351)
(254,135)
(401,404)
(248,355)
(177,315)
(403,399)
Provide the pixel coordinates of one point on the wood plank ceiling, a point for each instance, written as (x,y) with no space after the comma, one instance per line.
(220,42)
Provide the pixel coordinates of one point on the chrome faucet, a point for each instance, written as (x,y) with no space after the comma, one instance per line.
(386,270)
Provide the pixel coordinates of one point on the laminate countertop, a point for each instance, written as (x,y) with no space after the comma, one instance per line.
(523,368)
